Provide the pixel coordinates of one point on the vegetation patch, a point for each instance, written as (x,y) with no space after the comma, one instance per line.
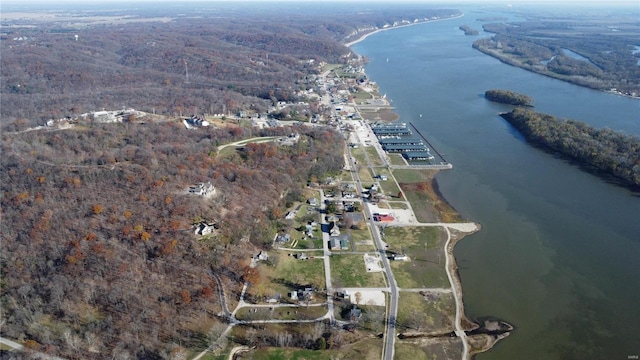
(281,313)
(614,153)
(284,273)
(425,248)
(426,312)
(508,97)
(428,348)
(427,203)
(350,271)
(373,155)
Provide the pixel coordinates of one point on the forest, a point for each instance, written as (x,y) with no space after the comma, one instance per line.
(613,153)
(596,52)
(508,97)
(236,58)
(98,250)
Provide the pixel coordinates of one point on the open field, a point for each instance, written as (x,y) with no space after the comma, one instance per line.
(420,189)
(350,271)
(374,157)
(363,349)
(358,155)
(428,348)
(365,175)
(281,313)
(431,312)
(425,248)
(287,274)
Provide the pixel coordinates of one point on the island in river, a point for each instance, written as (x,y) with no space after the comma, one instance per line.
(610,152)
(508,97)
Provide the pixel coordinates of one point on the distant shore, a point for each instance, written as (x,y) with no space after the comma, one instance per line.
(364,36)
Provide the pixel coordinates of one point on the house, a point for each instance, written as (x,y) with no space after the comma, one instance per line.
(205,229)
(202,189)
(355,313)
(339,243)
(283,238)
(313,202)
(309,230)
(262,256)
(402,257)
(333,229)
(302,256)
(273,299)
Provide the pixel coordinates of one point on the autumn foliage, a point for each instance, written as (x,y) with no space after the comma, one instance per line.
(101,248)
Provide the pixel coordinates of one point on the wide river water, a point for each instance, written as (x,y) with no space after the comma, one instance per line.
(558,255)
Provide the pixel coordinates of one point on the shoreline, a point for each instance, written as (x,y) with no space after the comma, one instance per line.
(462,323)
(366,35)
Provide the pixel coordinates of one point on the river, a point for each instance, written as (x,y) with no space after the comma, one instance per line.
(558,254)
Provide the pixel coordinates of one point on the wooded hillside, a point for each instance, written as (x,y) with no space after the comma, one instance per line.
(237,57)
(98,250)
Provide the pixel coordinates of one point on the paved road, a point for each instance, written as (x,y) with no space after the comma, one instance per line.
(327,263)
(392,313)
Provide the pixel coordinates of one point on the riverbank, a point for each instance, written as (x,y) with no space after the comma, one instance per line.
(366,35)
(479,341)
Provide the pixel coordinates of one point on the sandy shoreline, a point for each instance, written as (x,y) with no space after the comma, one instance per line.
(366,35)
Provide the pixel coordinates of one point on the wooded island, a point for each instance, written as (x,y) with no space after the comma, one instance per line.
(611,152)
(508,97)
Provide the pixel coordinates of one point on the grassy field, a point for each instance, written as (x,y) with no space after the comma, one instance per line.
(413,176)
(358,235)
(345,176)
(431,348)
(358,154)
(350,271)
(396,159)
(389,187)
(288,274)
(363,349)
(374,157)
(281,313)
(365,175)
(361,97)
(425,248)
(398,205)
(433,312)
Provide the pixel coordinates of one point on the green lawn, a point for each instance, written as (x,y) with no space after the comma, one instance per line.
(288,274)
(358,155)
(374,157)
(396,159)
(365,176)
(349,271)
(425,248)
(389,187)
(413,176)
